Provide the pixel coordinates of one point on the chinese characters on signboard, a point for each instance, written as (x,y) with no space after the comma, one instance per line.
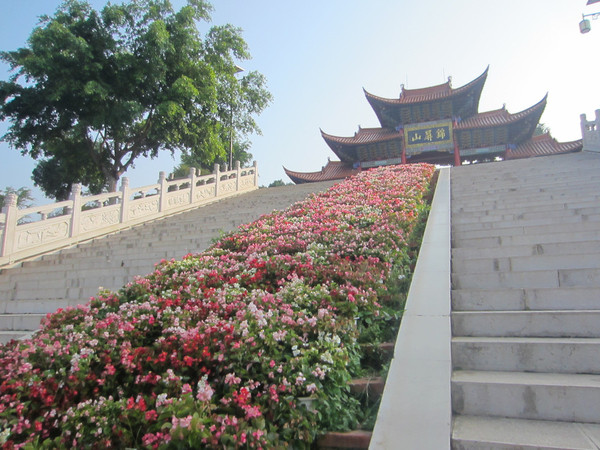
(431,136)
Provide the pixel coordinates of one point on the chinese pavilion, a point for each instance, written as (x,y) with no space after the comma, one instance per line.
(439,125)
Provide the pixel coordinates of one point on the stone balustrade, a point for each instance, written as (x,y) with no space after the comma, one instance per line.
(33,231)
(590,131)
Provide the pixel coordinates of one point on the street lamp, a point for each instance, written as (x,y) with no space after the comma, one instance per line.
(238,69)
(584,25)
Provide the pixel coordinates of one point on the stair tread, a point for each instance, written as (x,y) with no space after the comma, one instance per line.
(528,340)
(529,312)
(526,378)
(498,432)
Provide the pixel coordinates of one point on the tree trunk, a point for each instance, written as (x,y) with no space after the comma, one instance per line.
(112,183)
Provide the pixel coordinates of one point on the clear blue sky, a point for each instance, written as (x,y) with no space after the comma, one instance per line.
(318,55)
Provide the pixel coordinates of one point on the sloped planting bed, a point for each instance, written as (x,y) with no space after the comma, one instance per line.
(221,349)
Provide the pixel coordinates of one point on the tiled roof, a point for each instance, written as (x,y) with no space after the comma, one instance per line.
(500,116)
(334,170)
(364,136)
(427,94)
(543,145)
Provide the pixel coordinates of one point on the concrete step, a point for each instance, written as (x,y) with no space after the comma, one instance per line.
(7,336)
(529,239)
(518,230)
(20,322)
(33,306)
(486,216)
(522,395)
(355,440)
(549,249)
(527,323)
(564,187)
(537,222)
(564,298)
(544,189)
(528,178)
(484,433)
(518,207)
(489,217)
(530,279)
(547,190)
(519,354)
(525,263)
(509,280)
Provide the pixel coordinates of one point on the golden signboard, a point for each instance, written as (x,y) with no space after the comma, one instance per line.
(428,137)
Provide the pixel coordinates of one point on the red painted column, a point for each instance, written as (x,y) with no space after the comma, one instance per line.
(457,161)
(403,147)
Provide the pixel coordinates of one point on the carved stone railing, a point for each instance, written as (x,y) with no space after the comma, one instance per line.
(33,231)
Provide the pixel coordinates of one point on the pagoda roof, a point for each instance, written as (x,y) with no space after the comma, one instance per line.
(334,170)
(431,93)
(345,147)
(543,145)
(499,117)
(465,101)
(363,136)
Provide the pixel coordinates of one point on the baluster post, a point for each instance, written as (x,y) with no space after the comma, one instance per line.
(75,198)
(10,224)
(192,184)
(162,180)
(217,179)
(125,199)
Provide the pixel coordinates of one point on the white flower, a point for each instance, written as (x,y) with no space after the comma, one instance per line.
(205,392)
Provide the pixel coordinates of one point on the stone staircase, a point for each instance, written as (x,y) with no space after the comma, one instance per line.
(31,289)
(526,304)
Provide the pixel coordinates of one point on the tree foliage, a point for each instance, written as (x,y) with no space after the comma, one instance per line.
(94,90)
(540,129)
(24,198)
(188,160)
(278,183)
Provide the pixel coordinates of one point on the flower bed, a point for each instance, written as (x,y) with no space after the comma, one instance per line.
(216,350)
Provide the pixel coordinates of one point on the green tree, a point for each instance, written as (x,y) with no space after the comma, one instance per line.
(540,129)
(94,90)
(24,198)
(67,165)
(278,183)
(189,160)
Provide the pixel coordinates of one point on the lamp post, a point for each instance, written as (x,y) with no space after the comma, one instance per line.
(238,69)
(584,25)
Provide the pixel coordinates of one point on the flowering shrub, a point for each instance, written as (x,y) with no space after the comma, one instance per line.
(216,349)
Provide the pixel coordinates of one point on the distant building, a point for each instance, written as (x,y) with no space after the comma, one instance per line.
(439,125)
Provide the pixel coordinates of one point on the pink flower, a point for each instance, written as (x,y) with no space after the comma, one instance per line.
(110,369)
(231,379)
(205,392)
(252,412)
(300,379)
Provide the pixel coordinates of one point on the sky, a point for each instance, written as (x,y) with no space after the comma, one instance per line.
(318,56)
